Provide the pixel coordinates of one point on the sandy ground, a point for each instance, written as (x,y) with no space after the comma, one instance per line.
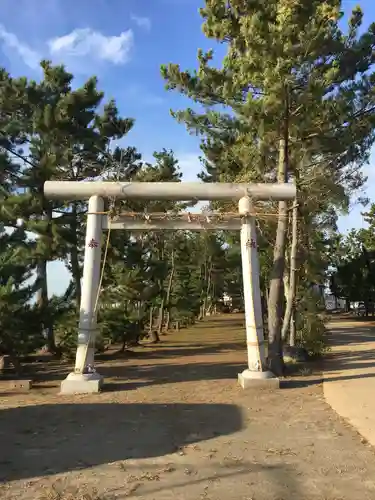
(174,424)
(349,375)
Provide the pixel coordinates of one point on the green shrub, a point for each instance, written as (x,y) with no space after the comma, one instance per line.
(311,325)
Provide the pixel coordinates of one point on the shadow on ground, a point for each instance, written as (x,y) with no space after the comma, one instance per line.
(50,439)
(343,357)
(165,349)
(350,335)
(127,377)
(345,354)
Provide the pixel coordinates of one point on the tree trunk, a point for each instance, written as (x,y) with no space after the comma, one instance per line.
(76,273)
(208,280)
(202,310)
(290,306)
(154,336)
(168,320)
(161,315)
(42,293)
(169,291)
(267,298)
(293,330)
(74,260)
(151,320)
(161,288)
(275,310)
(42,302)
(286,280)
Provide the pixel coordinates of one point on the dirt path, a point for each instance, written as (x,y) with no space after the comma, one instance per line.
(349,376)
(176,425)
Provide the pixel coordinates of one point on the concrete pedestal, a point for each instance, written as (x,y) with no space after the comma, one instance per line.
(22,385)
(258,380)
(78,383)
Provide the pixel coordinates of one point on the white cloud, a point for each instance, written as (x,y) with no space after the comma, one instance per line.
(11,42)
(89,43)
(142,22)
(76,49)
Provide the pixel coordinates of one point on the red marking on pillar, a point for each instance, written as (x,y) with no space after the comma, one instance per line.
(250,244)
(93,244)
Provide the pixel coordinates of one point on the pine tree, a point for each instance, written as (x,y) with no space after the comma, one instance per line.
(294,83)
(64,137)
(20,330)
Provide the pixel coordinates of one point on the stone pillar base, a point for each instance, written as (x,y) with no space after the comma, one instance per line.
(82,383)
(258,380)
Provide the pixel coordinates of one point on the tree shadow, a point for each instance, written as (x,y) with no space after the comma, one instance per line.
(190,349)
(350,317)
(51,439)
(230,321)
(350,336)
(341,359)
(128,374)
(56,370)
(167,350)
(300,383)
(127,377)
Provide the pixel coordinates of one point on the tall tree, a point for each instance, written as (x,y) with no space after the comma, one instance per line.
(64,136)
(294,83)
(20,330)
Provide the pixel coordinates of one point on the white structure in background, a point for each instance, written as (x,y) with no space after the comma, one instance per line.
(332,303)
(227,300)
(85,379)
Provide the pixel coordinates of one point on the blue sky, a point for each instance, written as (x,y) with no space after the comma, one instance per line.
(123,42)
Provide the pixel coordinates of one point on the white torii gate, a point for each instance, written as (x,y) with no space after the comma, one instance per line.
(86,380)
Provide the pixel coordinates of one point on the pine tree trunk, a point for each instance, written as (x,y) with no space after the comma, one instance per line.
(161,315)
(162,292)
(208,280)
(151,320)
(42,301)
(275,310)
(169,291)
(42,293)
(286,284)
(293,330)
(74,259)
(203,309)
(290,306)
(168,320)
(267,298)
(154,336)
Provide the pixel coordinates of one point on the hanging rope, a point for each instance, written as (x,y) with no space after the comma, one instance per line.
(193,216)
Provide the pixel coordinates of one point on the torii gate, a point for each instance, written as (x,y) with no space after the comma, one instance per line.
(86,380)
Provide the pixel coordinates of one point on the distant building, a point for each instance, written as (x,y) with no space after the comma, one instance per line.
(332,303)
